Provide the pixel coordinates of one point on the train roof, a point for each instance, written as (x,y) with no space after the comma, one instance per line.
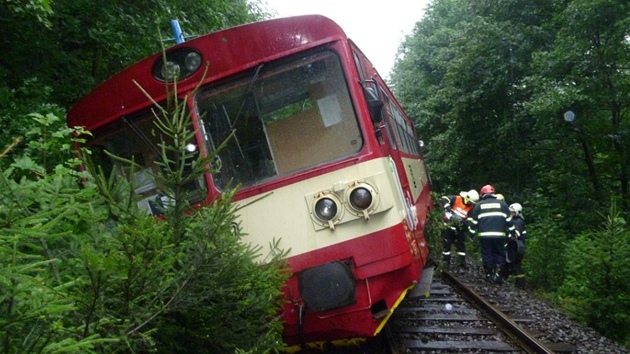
(227,51)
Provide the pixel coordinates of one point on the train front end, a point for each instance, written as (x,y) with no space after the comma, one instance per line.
(288,114)
(356,249)
(315,177)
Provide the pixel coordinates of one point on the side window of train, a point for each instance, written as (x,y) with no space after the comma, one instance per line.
(411,139)
(376,98)
(357,62)
(387,119)
(403,130)
(394,126)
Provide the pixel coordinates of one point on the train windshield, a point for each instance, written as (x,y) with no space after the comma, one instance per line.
(279,119)
(136,138)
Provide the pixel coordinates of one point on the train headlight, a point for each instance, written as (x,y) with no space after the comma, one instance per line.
(180,64)
(192,62)
(362,199)
(170,71)
(326,209)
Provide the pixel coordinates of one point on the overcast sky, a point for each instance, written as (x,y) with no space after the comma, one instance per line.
(377,29)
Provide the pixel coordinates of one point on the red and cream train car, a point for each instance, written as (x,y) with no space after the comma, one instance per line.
(327,160)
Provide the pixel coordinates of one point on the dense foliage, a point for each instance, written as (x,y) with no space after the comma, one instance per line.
(602,264)
(82,269)
(488,85)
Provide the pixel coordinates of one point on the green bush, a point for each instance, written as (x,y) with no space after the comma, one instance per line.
(433,229)
(596,290)
(544,259)
(84,270)
(43,212)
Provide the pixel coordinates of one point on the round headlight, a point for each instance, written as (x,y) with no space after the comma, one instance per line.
(326,209)
(180,64)
(192,61)
(361,198)
(170,71)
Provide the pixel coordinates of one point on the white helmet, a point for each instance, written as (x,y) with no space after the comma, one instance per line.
(471,195)
(516,208)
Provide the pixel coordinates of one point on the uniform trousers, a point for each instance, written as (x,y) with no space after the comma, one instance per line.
(492,251)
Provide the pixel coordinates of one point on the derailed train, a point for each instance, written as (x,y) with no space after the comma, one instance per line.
(327,160)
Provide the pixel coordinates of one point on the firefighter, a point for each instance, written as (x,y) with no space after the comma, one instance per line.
(516,246)
(456,210)
(491,221)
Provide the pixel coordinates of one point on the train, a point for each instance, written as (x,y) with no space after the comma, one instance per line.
(327,162)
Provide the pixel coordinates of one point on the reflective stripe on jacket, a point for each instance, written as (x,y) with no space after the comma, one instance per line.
(491,218)
(519,223)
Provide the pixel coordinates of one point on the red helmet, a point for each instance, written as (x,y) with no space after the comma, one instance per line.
(487,189)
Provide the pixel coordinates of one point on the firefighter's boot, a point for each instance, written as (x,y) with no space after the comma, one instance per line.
(488,274)
(462,262)
(446,259)
(496,275)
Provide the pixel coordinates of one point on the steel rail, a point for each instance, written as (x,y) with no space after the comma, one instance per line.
(512,329)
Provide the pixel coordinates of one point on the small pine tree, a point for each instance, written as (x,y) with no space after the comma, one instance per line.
(596,290)
(183,283)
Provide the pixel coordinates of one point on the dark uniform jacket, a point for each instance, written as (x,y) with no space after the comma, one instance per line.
(519,224)
(491,218)
(516,247)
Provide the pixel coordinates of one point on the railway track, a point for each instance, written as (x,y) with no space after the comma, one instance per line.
(456,313)
(454,317)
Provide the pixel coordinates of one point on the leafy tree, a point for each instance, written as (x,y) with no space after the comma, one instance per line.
(488,84)
(459,76)
(418,77)
(41,10)
(586,71)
